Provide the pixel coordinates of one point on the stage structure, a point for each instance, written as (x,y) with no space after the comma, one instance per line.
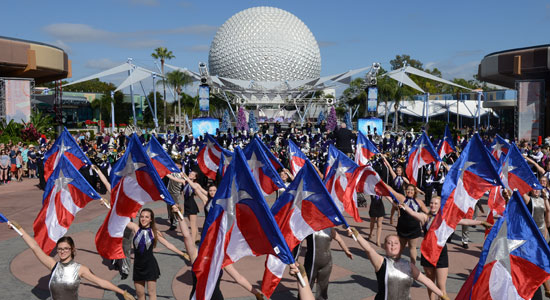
(267,58)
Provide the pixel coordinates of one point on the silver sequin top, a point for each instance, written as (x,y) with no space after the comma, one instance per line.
(398,279)
(64,281)
(538,212)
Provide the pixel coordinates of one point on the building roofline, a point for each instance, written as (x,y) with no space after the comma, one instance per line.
(31,42)
(518,49)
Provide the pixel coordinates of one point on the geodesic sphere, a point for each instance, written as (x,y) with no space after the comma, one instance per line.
(264,44)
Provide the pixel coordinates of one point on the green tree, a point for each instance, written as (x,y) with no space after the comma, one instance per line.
(178,80)
(163,54)
(103,104)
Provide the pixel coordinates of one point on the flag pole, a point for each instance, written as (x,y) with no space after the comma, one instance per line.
(15,227)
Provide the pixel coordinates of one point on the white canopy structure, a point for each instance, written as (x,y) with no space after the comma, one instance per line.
(135,74)
(401,76)
(466,108)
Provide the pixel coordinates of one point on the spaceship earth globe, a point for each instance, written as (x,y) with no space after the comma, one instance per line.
(264,44)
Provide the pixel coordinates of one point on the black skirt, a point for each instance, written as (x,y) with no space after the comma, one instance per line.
(408,227)
(376,209)
(443,261)
(146,267)
(190,206)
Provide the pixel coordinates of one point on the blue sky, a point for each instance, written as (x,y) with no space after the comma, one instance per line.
(450,35)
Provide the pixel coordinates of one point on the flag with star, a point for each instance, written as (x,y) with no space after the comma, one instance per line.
(422,153)
(337,181)
(239,224)
(364,150)
(263,170)
(446,146)
(134,182)
(65,194)
(161,160)
(65,145)
(297,158)
(304,208)
(209,157)
(474,173)
(333,154)
(515,259)
(499,148)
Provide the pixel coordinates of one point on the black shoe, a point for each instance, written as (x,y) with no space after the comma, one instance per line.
(464,245)
(173,227)
(123,276)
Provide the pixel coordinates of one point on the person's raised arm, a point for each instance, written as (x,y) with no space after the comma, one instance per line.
(86,273)
(45,259)
(242,281)
(175,178)
(400,197)
(375,258)
(417,275)
(168,245)
(341,242)
(197,187)
(102,177)
(534,163)
(392,172)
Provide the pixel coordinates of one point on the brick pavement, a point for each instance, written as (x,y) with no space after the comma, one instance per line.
(23,277)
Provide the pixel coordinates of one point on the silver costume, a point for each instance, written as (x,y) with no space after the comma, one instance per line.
(537,211)
(64,281)
(398,279)
(322,262)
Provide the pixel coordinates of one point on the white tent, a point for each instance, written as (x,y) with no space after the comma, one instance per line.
(466,108)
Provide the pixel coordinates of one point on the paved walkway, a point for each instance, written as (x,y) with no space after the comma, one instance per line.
(23,277)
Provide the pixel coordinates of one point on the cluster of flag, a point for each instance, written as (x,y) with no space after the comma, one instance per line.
(241,224)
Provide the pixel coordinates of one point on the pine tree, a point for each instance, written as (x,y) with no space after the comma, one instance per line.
(347,119)
(252,124)
(241,120)
(226,122)
(320,118)
(332,119)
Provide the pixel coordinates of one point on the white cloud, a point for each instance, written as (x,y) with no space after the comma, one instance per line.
(68,32)
(198,48)
(101,64)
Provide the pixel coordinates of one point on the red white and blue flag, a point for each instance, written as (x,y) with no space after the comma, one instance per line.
(446,147)
(337,181)
(272,158)
(515,174)
(297,158)
(333,154)
(364,180)
(161,160)
(515,259)
(209,157)
(499,148)
(422,153)
(470,177)
(134,182)
(262,169)
(226,158)
(64,196)
(304,208)
(239,224)
(364,150)
(66,145)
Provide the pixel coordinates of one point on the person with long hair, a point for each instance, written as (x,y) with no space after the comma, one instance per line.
(66,273)
(146,269)
(408,228)
(439,272)
(394,274)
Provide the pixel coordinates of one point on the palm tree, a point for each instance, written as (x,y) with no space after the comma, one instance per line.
(102,103)
(178,80)
(163,54)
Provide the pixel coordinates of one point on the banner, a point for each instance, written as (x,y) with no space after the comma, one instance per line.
(18,100)
(372,96)
(204,95)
